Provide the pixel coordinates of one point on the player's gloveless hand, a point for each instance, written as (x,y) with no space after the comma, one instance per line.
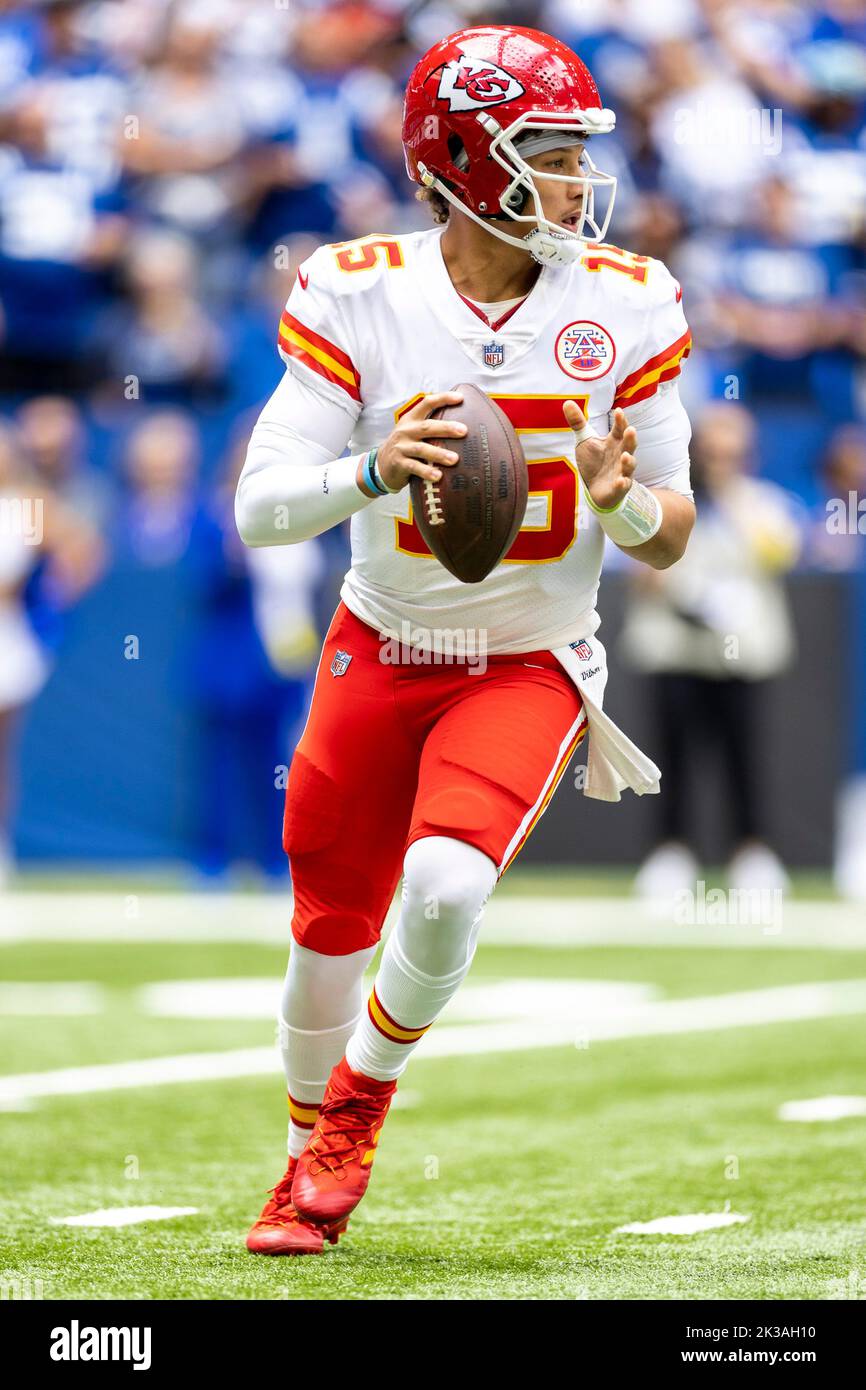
(606,465)
(408,450)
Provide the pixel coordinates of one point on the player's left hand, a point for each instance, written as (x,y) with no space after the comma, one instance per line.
(606,465)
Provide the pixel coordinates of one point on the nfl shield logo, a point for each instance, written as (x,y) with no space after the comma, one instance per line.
(340,664)
(582,649)
(494,354)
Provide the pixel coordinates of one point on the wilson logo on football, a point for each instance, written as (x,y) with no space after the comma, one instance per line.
(585,351)
(468,83)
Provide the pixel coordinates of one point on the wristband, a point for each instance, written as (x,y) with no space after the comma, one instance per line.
(377,476)
(370,476)
(634,519)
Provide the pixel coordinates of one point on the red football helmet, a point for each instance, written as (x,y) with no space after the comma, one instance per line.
(481,101)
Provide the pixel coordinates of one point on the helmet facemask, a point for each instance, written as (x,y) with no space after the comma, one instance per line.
(531,134)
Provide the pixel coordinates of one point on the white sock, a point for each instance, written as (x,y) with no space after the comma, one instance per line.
(445,886)
(322,999)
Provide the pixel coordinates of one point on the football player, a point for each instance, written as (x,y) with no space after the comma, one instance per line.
(411,764)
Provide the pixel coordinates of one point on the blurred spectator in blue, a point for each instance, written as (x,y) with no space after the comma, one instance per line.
(161,466)
(711,142)
(37,530)
(54,443)
(709,632)
(332,95)
(811,61)
(184,146)
(163,337)
(81,88)
(20,37)
(249,665)
(766,300)
(793,53)
(61,232)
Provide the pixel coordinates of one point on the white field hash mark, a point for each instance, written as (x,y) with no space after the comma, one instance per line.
(823,1108)
(123,1216)
(518,1015)
(688,1225)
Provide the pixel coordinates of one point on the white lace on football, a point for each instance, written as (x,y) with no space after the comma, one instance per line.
(433,504)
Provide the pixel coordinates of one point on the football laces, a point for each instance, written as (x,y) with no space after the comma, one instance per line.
(433,504)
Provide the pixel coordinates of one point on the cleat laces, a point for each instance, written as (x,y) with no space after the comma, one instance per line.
(345,1122)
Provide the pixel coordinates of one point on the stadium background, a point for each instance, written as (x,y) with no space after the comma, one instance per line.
(163,168)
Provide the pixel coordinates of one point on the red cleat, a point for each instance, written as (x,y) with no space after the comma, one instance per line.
(334,1169)
(281,1231)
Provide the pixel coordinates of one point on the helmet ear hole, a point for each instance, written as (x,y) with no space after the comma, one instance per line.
(457,151)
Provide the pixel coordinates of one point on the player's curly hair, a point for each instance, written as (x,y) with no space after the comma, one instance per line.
(440,208)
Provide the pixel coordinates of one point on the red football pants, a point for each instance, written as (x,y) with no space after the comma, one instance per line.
(392,753)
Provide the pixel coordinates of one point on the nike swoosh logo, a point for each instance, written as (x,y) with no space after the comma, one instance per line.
(304,280)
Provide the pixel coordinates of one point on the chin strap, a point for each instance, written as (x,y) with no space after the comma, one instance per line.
(551,248)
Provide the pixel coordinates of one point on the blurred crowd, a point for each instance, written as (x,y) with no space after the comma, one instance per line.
(166,164)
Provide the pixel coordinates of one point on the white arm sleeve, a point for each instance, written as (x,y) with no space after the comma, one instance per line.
(294,485)
(663,434)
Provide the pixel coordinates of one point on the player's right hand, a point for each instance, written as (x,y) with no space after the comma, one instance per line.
(407,449)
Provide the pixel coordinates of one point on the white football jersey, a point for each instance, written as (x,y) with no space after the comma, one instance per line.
(373,324)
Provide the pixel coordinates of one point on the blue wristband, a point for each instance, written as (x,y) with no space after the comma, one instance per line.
(371,477)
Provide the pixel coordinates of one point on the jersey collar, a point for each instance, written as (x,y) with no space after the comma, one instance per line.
(518,329)
(496,324)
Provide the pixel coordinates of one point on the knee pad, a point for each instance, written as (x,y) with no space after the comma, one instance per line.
(446,884)
(343,887)
(314,808)
(453,878)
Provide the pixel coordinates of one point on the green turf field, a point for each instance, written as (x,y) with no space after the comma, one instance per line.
(507,1169)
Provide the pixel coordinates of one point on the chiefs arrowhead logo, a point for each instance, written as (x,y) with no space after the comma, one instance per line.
(470,83)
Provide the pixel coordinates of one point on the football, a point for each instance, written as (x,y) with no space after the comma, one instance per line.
(470,518)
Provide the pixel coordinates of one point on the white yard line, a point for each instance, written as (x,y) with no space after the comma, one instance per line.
(823,1108)
(553,1027)
(19,998)
(264,919)
(149,1071)
(687,1225)
(258,997)
(261,918)
(123,1216)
